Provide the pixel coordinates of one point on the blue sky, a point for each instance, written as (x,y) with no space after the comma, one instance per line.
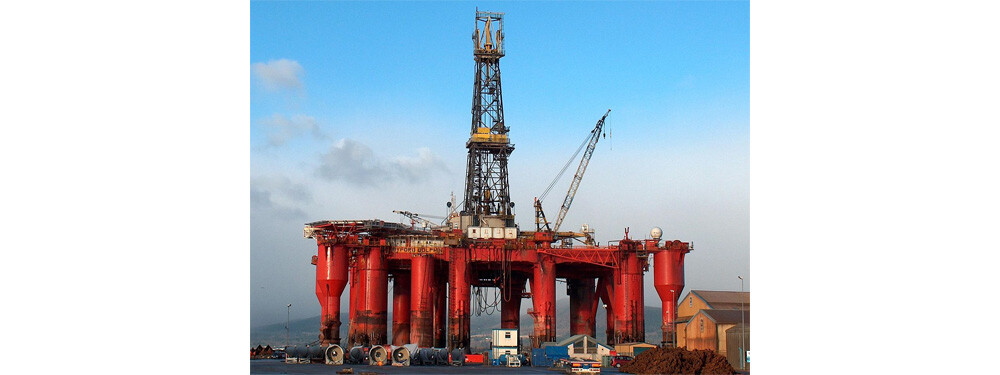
(388,86)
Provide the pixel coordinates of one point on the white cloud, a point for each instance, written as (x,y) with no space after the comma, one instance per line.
(353,162)
(276,75)
(281,128)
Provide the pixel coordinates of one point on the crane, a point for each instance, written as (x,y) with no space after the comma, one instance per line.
(414,218)
(540,220)
(595,135)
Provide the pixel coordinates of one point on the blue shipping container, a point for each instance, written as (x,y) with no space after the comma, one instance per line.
(552,351)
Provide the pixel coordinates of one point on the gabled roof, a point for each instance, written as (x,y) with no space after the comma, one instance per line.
(575,338)
(721,299)
(726,316)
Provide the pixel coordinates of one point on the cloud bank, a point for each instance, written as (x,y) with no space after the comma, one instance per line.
(281,128)
(277,75)
(355,163)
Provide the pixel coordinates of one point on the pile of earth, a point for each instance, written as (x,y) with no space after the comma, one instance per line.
(678,361)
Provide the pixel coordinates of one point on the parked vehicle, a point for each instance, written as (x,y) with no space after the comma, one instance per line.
(619,360)
(581,366)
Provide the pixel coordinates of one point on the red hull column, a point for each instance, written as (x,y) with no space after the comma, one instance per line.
(668,279)
(581,301)
(543,293)
(373,303)
(400,308)
(459,293)
(331,278)
(629,320)
(356,291)
(422,301)
(440,304)
(605,293)
(510,308)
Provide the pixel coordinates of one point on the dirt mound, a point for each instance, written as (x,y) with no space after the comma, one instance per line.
(678,361)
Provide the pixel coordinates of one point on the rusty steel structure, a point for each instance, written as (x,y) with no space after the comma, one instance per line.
(438,272)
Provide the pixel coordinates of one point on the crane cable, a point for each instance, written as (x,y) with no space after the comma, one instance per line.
(568,162)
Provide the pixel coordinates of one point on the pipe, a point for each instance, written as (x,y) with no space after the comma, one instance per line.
(334,355)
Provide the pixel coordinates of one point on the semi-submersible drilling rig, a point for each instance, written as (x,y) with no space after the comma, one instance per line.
(434,269)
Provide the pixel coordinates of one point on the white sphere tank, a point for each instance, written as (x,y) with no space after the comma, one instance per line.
(656,233)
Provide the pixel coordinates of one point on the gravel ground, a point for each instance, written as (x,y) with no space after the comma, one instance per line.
(277,366)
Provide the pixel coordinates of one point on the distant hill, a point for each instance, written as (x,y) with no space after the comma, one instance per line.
(305,331)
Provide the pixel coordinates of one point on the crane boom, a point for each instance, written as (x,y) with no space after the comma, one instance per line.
(595,135)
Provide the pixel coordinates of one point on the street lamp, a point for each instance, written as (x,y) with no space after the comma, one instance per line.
(743,331)
(288,335)
(673,328)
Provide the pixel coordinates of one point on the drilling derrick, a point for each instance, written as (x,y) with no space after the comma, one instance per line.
(487,192)
(433,268)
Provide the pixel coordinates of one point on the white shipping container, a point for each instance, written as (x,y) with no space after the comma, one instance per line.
(473,232)
(505,337)
(497,232)
(486,232)
(510,233)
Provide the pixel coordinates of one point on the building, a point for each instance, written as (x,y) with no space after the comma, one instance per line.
(583,346)
(735,338)
(504,342)
(707,329)
(697,300)
(632,349)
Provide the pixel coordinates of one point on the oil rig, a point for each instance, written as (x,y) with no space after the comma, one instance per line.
(438,270)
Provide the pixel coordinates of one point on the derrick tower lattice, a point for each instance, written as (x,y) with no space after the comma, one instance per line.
(487,191)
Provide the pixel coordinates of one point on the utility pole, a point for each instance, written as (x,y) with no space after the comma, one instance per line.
(288,335)
(743,331)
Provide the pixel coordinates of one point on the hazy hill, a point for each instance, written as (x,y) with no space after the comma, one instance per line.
(305,331)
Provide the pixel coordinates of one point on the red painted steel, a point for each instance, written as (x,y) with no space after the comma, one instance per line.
(543,300)
(331,278)
(459,300)
(422,301)
(400,308)
(668,279)
(582,319)
(510,307)
(372,309)
(352,328)
(628,297)
(605,293)
(440,307)
(438,296)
